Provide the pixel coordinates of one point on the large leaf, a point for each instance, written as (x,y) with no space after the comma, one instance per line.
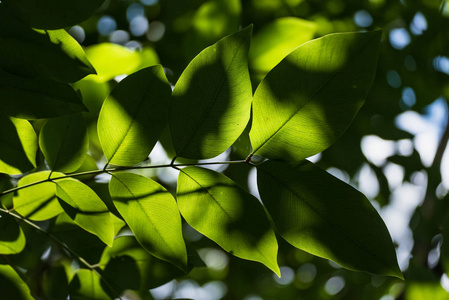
(221,210)
(18,146)
(309,99)
(37,202)
(37,98)
(324,216)
(13,287)
(86,286)
(64,143)
(133,116)
(211,101)
(151,213)
(51,54)
(86,208)
(12,239)
(52,14)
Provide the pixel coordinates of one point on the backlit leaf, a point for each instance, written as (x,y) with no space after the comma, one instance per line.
(13,287)
(86,286)
(309,99)
(221,210)
(64,142)
(151,213)
(133,116)
(12,239)
(18,146)
(211,101)
(324,216)
(37,202)
(86,208)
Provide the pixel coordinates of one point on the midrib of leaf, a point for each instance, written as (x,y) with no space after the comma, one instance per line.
(337,228)
(203,119)
(310,98)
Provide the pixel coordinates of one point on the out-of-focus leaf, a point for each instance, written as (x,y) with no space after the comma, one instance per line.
(423,284)
(37,202)
(324,216)
(211,101)
(56,284)
(51,54)
(64,142)
(221,210)
(93,93)
(5,184)
(18,146)
(133,116)
(86,208)
(12,239)
(13,287)
(37,98)
(151,213)
(52,14)
(309,99)
(86,286)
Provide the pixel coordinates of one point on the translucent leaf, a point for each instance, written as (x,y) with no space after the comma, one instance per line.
(5,184)
(51,54)
(64,143)
(52,14)
(151,213)
(221,210)
(133,116)
(18,146)
(212,99)
(86,208)
(12,239)
(86,286)
(324,216)
(37,202)
(13,287)
(309,99)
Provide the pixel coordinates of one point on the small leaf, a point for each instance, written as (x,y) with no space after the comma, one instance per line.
(309,99)
(52,14)
(37,202)
(12,239)
(86,286)
(151,213)
(86,208)
(18,146)
(37,98)
(212,99)
(221,210)
(13,287)
(64,143)
(324,216)
(133,116)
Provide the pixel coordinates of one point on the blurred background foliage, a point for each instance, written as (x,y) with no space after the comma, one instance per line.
(393,152)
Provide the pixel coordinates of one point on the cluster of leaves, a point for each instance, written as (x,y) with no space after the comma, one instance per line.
(302,105)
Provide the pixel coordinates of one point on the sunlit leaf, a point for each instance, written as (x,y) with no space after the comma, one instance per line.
(37,202)
(64,143)
(51,54)
(221,210)
(5,184)
(52,14)
(12,239)
(13,287)
(86,286)
(324,216)
(85,208)
(211,101)
(308,100)
(133,116)
(151,213)
(18,146)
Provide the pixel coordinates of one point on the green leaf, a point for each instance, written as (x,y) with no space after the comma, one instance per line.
(277,39)
(133,116)
(151,213)
(86,286)
(5,184)
(12,239)
(211,101)
(51,54)
(221,210)
(13,287)
(52,14)
(309,99)
(18,146)
(86,208)
(37,202)
(64,143)
(37,98)
(324,216)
